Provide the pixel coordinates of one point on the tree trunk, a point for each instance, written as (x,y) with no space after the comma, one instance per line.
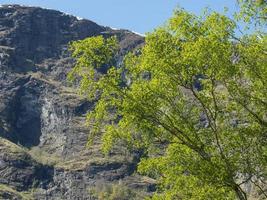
(240,193)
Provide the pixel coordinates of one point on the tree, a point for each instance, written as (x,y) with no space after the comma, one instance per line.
(253,11)
(194,99)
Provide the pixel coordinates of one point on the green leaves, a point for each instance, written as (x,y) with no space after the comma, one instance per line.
(194,99)
(253,11)
(90,55)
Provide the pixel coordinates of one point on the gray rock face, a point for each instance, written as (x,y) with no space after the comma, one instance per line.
(42,116)
(37,34)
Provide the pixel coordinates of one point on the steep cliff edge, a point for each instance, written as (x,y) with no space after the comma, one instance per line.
(43,152)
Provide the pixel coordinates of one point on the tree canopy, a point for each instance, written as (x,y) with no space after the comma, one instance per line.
(194,99)
(253,11)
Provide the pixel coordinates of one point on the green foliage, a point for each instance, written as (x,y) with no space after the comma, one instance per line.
(254,11)
(196,90)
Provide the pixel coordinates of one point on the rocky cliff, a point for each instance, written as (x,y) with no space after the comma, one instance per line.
(43,152)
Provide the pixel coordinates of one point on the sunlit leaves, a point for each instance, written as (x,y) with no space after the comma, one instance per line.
(253,11)
(193,99)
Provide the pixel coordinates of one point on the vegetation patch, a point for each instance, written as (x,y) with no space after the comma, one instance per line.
(116,191)
(7,192)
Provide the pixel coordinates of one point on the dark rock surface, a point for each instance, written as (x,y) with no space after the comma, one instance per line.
(43,152)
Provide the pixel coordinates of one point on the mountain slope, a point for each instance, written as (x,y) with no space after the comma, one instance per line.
(42,117)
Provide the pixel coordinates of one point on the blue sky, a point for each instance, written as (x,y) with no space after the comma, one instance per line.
(137,15)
